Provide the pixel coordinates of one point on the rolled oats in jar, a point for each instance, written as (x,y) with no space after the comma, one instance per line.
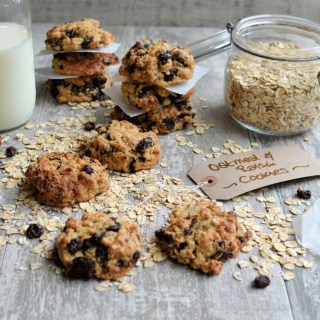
(272,78)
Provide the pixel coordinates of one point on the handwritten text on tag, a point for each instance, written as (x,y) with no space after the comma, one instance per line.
(231,175)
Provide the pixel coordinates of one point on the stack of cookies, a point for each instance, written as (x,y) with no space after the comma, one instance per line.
(150,67)
(88,68)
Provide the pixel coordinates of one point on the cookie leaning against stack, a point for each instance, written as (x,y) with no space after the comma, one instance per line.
(91,68)
(150,67)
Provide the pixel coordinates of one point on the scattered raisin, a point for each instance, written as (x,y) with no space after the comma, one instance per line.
(187,231)
(34,231)
(74,246)
(87,169)
(89,126)
(115,227)
(136,256)
(304,194)
(261,282)
(144,144)
(82,267)
(11,151)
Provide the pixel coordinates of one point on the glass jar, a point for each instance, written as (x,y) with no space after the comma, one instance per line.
(17,76)
(272,77)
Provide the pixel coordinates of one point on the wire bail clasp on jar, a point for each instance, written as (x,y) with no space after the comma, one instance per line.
(212,45)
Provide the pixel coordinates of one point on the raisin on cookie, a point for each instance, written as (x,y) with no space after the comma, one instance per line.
(61,179)
(77,35)
(158,63)
(168,119)
(82,89)
(202,235)
(122,146)
(82,63)
(151,97)
(98,246)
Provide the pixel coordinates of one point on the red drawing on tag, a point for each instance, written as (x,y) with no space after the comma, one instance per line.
(211,181)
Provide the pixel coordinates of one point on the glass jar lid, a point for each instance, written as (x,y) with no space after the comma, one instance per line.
(299,37)
(294,39)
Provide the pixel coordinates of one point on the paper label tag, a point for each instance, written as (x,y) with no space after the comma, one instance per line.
(231,175)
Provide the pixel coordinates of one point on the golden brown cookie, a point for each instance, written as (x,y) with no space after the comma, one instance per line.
(77,35)
(202,235)
(164,120)
(82,63)
(158,63)
(151,97)
(82,89)
(61,179)
(122,146)
(98,246)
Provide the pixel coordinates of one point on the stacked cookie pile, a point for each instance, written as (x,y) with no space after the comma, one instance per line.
(87,68)
(150,67)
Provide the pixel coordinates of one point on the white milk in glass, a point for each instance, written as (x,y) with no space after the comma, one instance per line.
(17,80)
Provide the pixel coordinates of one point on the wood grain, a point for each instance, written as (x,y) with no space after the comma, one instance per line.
(168,290)
(191,13)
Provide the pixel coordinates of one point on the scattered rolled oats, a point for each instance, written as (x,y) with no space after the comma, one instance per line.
(288,276)
(237,276)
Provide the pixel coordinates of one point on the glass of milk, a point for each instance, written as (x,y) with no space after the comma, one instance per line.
(17,77)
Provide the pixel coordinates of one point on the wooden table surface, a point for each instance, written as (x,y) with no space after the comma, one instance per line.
(168,290)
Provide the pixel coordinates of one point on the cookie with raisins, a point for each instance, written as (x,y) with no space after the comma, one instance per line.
(82,63)
(122,146)
(77,35)
(151,97)
(98,246)
(62,179)
(81,89)
(202,235)
(157,62)
(164,120)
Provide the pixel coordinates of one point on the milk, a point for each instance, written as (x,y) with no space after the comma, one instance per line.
(17,80)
